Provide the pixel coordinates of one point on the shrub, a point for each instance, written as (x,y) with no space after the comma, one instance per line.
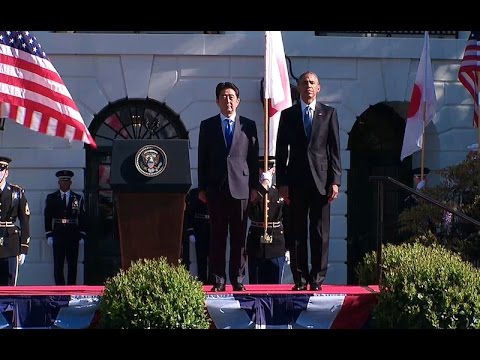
(459,189)
(152,294)
(423,287)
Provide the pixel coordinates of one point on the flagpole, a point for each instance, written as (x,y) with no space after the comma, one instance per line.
(424,115)
(266,238)
(424,110)
(265,169)
(476,109)
(276,99)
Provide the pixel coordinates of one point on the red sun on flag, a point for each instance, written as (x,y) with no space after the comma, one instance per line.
(415,101)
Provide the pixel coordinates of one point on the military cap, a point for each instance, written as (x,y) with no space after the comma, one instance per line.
(271,161)
(473,147)
(64,174)
(418,171)
(4,161)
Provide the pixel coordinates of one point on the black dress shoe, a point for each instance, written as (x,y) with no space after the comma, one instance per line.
(218,287)
(299,287)
(315,287)
(238,287)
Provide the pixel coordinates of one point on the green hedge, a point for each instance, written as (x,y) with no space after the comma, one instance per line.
(423,287)
(152,294)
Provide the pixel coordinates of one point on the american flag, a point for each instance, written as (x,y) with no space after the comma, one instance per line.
(33,94)
(468,72)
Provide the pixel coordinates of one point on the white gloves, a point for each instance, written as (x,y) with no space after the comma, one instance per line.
(266,180)
(21,259)
(81,242)
(420,185)
(192,239)
(266,176)
(287,257)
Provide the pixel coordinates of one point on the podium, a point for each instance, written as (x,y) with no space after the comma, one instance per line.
(150,179)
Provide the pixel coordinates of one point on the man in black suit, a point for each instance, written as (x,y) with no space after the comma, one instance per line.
(14,240)
(309,176)
(65,227)
(227,180)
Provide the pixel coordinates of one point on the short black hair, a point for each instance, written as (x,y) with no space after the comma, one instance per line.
(226,85)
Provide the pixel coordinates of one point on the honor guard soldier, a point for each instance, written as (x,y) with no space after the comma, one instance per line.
(266,256)
(14,240)
(65,227)
(197,233)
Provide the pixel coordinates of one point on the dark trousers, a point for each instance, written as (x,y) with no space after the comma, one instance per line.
(227,213)
(8,271)
(306,203)
(4,272)
(202,253)
(201,248)
(265,271)
(65,248)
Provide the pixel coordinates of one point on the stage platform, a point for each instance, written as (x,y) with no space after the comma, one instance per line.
(259,307)
(278,307)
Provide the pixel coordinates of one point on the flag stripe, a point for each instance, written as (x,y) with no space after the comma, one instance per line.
(32,106)
(355,312)
(470,65)
(32,92)
(23,60)
(21,94)
(10,85)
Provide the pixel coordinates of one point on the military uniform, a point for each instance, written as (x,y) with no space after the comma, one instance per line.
(266,260)
(65,224)
(14,240)
(197,223)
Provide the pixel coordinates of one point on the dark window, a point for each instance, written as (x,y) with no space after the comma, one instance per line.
(136,119)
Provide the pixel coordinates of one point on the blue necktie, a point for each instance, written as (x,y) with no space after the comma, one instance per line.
(307,122)
(228,133)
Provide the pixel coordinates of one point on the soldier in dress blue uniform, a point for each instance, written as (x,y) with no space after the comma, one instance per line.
(14,240)
(197,233)
(65,227)
(266,261)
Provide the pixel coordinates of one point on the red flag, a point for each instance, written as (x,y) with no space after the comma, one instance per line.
(467,74)
(277,83)
(32,92)
(423,93)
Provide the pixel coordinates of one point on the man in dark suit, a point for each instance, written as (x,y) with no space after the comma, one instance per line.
(227,180)
(65,227)
(197,233)
(309,176)
(14,241)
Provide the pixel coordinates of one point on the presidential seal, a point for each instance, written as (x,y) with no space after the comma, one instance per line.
(150,160)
